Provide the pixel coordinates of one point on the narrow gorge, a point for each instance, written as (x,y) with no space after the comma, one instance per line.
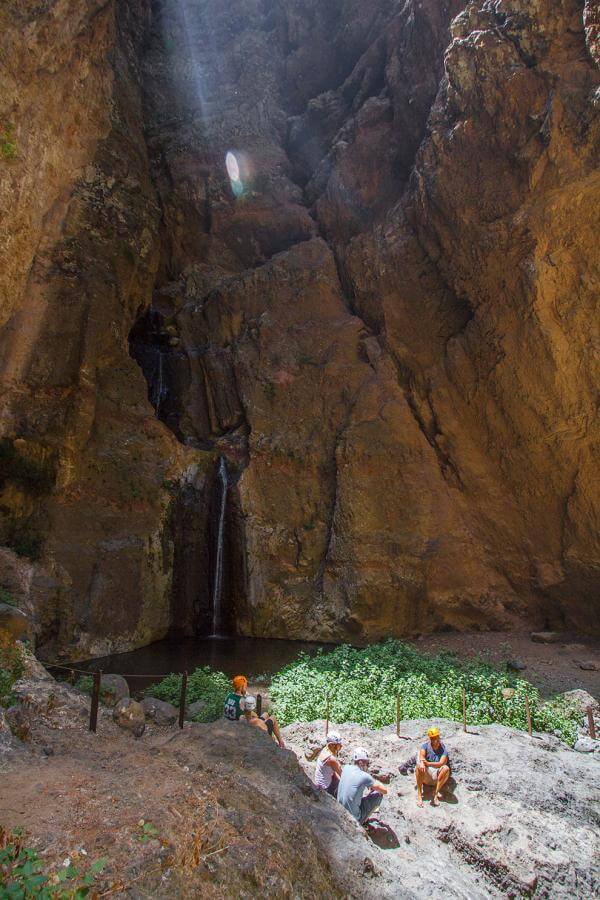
(299,319)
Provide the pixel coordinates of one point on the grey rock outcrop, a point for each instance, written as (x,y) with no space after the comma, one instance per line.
(112,689)
(521,816)
(159,711)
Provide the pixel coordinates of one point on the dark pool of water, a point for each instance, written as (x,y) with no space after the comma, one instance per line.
(234,656)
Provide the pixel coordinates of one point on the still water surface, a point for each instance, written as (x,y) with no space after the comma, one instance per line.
(234,656)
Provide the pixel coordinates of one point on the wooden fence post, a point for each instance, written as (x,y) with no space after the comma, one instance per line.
(397,715)
(95,701)
(591,723)
(528,714)
(182,698)
(259,704)
(327,717)
(464,699)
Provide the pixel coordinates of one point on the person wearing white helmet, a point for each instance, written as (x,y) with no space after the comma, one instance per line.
(329,769)
(265,722)
(355,780)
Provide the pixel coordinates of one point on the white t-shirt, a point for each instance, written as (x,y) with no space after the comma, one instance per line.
(324,773)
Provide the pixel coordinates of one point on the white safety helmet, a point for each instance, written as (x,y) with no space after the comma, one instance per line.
(333,737)
(248,703)
(360,755)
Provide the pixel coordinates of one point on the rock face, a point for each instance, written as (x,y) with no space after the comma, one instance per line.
(381,312)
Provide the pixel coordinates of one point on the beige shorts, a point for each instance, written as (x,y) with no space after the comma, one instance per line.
(431,775)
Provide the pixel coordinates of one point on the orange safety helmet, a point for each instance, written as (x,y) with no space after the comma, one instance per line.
(239,683)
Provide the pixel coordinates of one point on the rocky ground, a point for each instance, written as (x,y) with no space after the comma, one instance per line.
(219,810)
(521,817)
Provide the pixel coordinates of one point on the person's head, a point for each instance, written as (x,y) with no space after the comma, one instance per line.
(360,758)
(433,734)
(334,741)
(249,706)
(240,684)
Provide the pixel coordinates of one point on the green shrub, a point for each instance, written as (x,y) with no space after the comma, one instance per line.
(85,684)
(7,597)
(12,666)
(203,684)
(8,148)
(363,685)
(22,873)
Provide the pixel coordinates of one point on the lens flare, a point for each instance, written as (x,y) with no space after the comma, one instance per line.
(232,166)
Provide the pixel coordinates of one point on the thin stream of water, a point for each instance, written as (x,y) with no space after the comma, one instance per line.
(218,584)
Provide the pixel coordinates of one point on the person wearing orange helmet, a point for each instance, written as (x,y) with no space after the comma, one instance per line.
(433,766)
(234,701)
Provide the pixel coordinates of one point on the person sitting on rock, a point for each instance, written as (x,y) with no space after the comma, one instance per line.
(266,722)
(433,767)
(355,779)
(329,769)
(234,701)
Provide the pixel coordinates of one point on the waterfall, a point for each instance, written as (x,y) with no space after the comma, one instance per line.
(216,622)
(159,389)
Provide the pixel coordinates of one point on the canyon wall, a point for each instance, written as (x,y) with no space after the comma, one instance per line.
(382,312)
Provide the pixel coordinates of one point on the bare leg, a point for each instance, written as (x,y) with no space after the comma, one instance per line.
(276,731)
(444,775)
(419,775)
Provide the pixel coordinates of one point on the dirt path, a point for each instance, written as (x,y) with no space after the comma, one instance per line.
(552,668)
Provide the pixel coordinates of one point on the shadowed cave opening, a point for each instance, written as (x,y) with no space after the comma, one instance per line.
(197,507)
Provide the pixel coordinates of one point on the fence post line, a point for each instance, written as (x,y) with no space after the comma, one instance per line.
(259,704)
(327,717)
(464,699)
(528,713)
(184,679)
(95,701)
(591,723)
(398,715)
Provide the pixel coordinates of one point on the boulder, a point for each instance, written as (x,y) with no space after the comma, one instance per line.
(13,620)
(8,742)
(112,689)
(516,665)
(129,714)
(582,701)
(586,745)
(193,709)
(590,665)
(545,637)
(19,722)
(159,711)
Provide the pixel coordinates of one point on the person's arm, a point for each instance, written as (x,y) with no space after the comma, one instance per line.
(277,732)
(422,762)
(376,786)
(334,764)
(438,765)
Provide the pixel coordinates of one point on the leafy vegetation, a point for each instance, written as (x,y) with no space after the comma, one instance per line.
(204,684)
(12,666)
(8,148)
(363,684)
(7,597)
(22,873)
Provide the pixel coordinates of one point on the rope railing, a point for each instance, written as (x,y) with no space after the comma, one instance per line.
(97,684)
(97,680)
